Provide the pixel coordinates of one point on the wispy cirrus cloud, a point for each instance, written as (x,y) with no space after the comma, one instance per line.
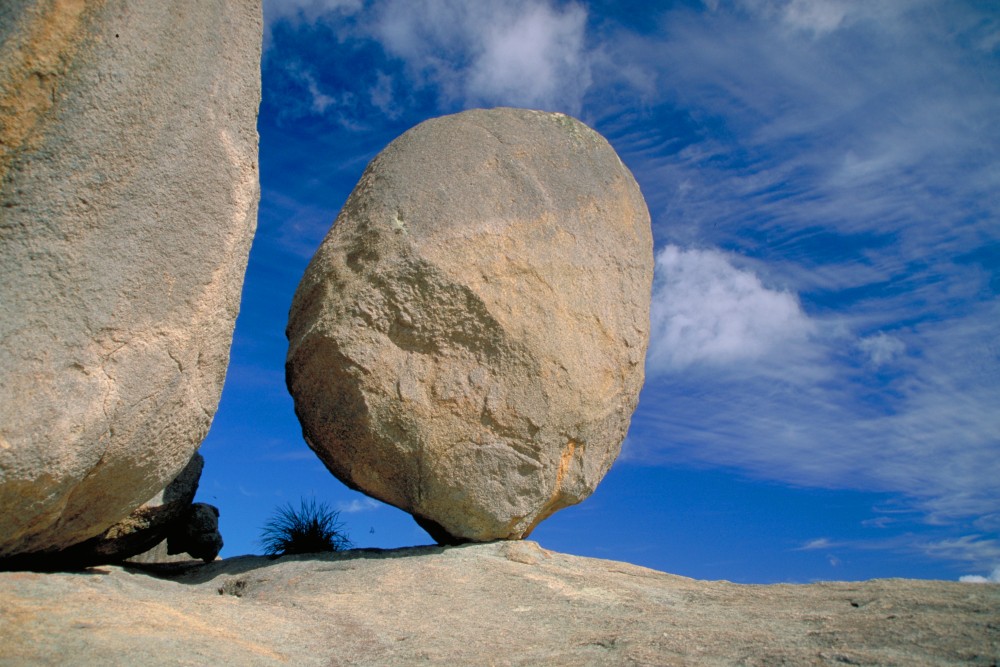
(881,348)
(975,551)
(857,127)
(816,16)
(822,178)
(819,543)
(844,152)
(305,11)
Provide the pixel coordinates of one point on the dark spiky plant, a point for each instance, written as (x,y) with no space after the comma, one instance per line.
(310,529)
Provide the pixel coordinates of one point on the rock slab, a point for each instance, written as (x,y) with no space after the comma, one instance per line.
(128,198)
(506,603)
(467,344)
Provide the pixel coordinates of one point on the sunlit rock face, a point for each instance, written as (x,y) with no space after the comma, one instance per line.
(468,342)
(128,199)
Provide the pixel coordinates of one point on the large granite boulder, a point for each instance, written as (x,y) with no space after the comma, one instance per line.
(128,197)
(468,342)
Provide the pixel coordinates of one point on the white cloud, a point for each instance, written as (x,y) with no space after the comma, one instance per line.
(928,431)
(530,53)
(311,98)
(817,16)
(304,11)
(530,60)
(517,52)
(886,122)
(878,522)
(381,95)
(849,148)
(818,543)
(978,550)
(992,578)
(881,349)
(319,101)
(705,310)
(358,505)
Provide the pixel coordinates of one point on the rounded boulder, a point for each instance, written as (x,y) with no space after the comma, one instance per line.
(468,342)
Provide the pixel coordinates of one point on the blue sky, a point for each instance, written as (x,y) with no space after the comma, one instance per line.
(823,381)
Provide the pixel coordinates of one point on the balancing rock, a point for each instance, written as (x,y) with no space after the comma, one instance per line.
(468,342)
(128,200)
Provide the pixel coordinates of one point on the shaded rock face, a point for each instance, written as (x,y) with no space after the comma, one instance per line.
(193,529)
(168,527)
(468,342)
(164,514)
(195,535)
(198,534)
(128,196)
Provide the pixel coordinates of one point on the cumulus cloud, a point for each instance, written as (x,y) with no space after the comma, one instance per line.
(532,57)
(705,310)
(992,578)
(518,52)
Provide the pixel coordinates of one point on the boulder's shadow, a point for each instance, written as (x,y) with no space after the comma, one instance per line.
(194,573)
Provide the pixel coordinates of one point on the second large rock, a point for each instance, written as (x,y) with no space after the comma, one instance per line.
(468,342)
(128,201)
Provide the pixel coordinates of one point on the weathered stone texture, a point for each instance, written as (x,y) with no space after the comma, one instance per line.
(508,603)
(468,342)
(128,196)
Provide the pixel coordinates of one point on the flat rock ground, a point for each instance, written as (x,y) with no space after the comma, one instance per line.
(508,603)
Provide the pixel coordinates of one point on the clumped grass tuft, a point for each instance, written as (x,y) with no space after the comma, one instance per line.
(313,528)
